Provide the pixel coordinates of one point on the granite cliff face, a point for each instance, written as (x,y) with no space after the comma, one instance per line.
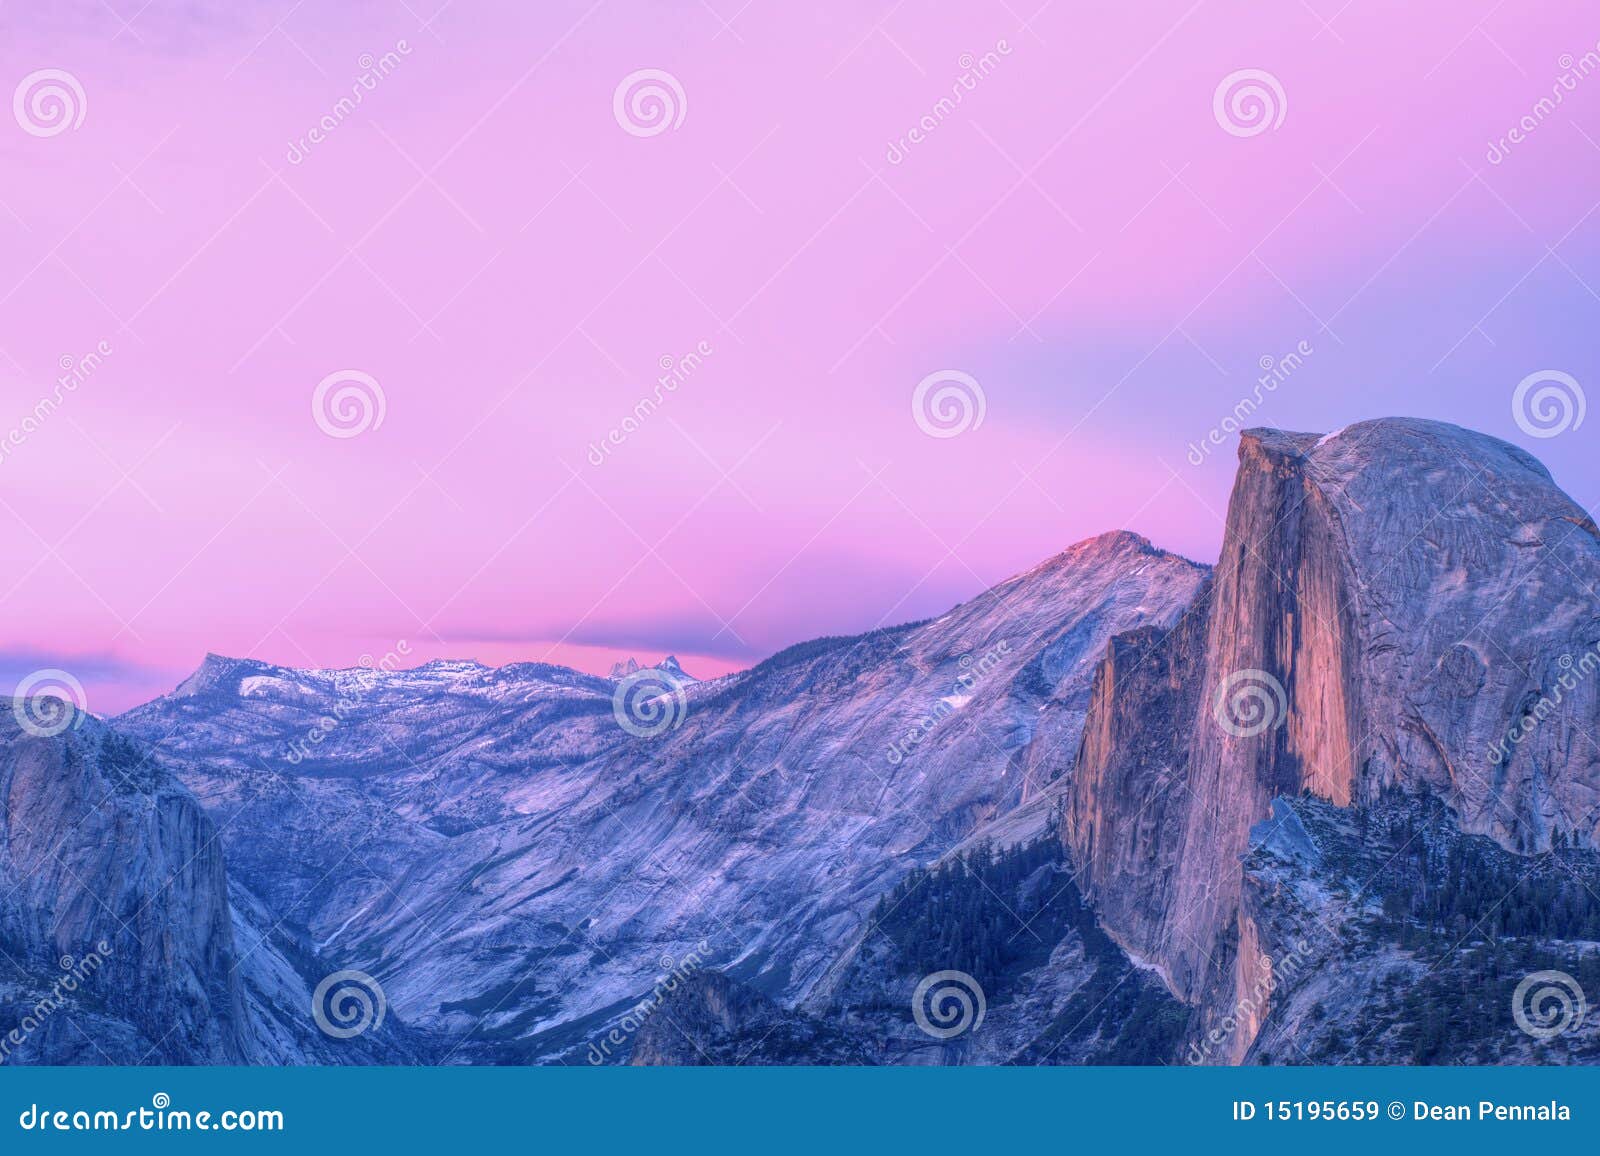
(1400,604)
(121,938)
(106,861)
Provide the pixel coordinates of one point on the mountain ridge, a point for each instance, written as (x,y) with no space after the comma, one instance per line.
(214,666)
(514,851)
(508,796)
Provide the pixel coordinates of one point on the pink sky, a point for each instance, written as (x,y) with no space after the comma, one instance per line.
(483,238)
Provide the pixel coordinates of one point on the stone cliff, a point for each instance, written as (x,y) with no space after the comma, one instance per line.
(1401,603)
(107,862)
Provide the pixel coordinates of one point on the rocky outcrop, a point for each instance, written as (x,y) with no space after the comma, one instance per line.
(121,938)
(104,859)
(1399,604)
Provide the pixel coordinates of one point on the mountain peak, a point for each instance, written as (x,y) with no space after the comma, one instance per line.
(668,665)
(1112,541)
(1116,549)
(213,672)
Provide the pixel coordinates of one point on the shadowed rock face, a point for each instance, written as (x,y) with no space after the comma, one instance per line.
(1396,597)
(122,939)
(1131,799)
(103,856)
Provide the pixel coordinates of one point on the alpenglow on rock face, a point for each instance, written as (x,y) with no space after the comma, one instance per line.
(1392,602)
(1118,744)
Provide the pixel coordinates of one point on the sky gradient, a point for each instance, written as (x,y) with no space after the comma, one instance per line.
(484,238)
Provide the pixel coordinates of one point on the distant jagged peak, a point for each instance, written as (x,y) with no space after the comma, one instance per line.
(671,665)
(668,665)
